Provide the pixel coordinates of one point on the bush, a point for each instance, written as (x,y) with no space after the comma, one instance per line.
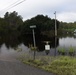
(71,51)
(61,51)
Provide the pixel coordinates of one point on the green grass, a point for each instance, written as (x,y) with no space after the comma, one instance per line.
(62,51)
(61,65)
(71,51)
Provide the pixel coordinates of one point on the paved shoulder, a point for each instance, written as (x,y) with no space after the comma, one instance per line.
(18,68)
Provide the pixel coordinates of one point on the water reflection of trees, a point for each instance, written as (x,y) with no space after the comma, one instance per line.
(10,41)
(14,40)
(40,41)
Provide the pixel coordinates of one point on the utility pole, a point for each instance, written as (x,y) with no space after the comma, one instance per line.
(55,32)
(55,25)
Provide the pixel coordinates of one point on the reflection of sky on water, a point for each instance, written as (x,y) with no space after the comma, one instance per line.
(5,50)
(11,53)
(67,42)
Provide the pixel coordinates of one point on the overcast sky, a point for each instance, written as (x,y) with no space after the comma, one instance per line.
(66,9)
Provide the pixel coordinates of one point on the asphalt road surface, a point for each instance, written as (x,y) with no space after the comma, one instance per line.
(11,67)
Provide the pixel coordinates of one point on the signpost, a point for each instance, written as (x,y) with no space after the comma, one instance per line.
(47,48)
(32,27)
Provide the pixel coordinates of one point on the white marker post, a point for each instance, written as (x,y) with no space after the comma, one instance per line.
(47,48)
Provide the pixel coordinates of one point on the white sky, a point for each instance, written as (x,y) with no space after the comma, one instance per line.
(66,9)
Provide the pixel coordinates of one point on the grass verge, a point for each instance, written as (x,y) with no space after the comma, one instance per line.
(61,65)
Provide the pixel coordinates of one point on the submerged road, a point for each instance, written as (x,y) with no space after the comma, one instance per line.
(10,67)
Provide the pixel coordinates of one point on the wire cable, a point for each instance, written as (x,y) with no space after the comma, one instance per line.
(13,5)
(17,4)
(10,5)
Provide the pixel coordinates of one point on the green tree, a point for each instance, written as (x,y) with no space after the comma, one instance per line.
(13,22)
(43,23)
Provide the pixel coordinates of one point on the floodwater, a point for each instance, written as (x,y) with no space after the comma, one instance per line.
(67,42)
(11,51)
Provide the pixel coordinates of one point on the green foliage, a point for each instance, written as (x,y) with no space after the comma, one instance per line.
(61,51)
(62,65)
(33,48)
(10,24)
(43,23)
(71,51)
(36,62)
(67,27)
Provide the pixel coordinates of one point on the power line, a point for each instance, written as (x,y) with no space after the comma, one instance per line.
(12,5)
(17,4)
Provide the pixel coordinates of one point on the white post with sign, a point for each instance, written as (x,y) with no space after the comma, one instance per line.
(47,47)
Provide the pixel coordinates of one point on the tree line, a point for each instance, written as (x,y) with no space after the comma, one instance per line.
(13,24)
(65,27)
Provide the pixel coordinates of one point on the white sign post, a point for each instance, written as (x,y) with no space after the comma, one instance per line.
(47,47)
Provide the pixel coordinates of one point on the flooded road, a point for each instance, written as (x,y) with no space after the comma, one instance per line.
(12,54)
